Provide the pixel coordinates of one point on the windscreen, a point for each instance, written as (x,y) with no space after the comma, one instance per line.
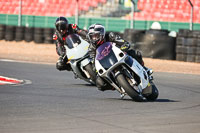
(72,41)
(103,50)
(105,55)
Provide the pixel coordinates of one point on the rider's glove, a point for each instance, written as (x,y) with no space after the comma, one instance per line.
(112,37)
(125,46)
(65,59)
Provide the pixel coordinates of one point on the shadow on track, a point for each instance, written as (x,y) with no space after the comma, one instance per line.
(165,100)
(89,85)
(158,100)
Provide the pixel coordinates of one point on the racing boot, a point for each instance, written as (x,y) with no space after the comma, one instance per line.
(62,64)
(149,70)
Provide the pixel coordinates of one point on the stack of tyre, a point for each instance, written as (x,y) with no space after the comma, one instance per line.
(28,34)
(10,33)
(19,33)
(152,43)
(2,31)
(48,35)
(188,45)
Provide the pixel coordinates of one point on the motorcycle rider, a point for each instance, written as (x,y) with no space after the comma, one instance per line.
(63,29)
(97,35)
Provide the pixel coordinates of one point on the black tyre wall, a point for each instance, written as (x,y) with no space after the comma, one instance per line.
(2,31)
(19,34)
(10,33)
(38,35)
(188,45)
(133,36)
(28,34)
(156,44)
(48,35)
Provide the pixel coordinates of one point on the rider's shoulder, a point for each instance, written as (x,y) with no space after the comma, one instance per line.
(55,36)
(73,26)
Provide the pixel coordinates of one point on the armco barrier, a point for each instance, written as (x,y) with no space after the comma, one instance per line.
(188,45)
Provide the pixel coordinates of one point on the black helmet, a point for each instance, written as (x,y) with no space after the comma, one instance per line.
(61,25)
(96,34)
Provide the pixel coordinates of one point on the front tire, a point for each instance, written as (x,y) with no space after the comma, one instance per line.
(128,88)
(92,74)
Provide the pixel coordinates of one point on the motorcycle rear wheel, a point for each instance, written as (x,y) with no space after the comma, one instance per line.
(121,79)
(154,95)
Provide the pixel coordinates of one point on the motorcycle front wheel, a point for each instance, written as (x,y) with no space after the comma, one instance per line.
(122,80)
(92,73)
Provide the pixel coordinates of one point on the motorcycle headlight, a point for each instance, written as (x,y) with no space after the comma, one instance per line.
(108,61)
(101,71)
(121,54)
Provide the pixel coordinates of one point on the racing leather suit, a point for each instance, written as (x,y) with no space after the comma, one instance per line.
(60,42)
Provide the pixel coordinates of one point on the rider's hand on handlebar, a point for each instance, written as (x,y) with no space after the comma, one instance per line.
(125,46)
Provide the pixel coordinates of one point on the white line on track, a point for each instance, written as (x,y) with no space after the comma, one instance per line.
(20,61)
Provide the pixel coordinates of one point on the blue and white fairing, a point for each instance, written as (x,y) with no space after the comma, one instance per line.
(109,56)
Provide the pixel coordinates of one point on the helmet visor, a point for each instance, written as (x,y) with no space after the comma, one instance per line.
(62,27)
(94,37)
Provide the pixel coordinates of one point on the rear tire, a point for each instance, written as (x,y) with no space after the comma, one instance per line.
(154,95)
(92,74)
(128,88)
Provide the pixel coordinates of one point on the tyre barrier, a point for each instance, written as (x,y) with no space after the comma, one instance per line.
(133,36)
(28,34)
(38,35)
(10,33)
(188,46)
(48,35)
(2,31)
(19,34)
(155,44)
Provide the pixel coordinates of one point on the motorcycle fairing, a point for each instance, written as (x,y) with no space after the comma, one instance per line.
(77,48)
(127,61)
(77,53)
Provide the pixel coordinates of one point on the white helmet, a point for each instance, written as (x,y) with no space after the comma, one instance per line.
(96,34)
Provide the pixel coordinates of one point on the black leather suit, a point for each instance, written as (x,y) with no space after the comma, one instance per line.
(60,42)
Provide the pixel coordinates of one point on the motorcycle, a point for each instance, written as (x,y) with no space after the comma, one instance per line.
(78,58)
(124,73)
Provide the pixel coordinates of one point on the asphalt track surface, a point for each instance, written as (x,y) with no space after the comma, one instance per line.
(54,102)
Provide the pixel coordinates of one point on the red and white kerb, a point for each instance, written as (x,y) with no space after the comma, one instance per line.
(6,80)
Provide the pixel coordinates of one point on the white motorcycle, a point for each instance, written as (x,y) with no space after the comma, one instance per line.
(78,57)
(124,73)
